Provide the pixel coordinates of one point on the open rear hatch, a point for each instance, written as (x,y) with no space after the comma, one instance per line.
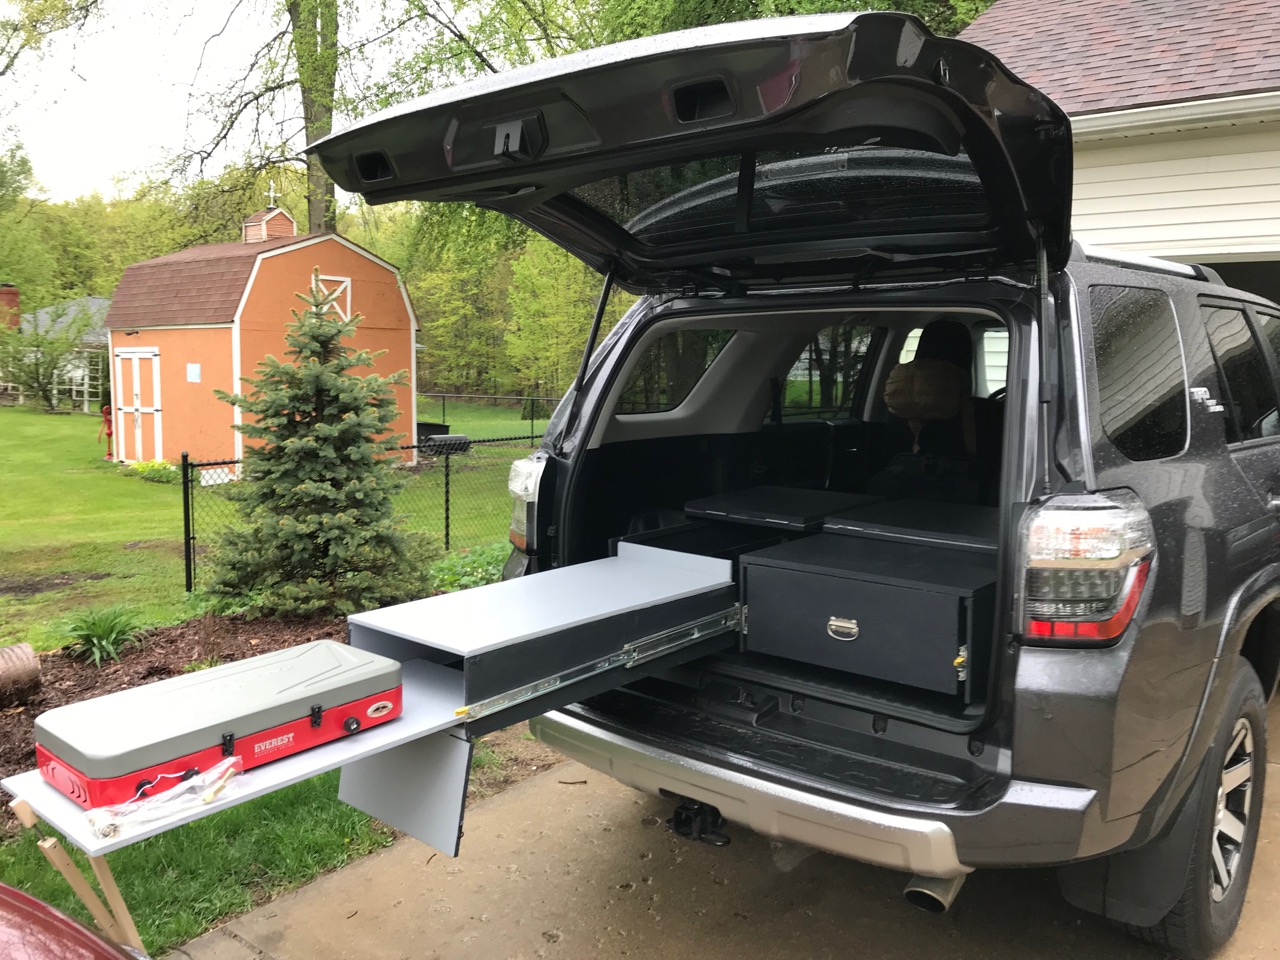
(816,148)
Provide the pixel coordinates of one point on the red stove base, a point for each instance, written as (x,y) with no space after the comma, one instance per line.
(254,750)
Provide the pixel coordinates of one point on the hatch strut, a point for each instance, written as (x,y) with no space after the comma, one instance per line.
(575,401)
(595,330)
(1046,356)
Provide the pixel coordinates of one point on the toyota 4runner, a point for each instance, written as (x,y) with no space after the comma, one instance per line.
(889,520)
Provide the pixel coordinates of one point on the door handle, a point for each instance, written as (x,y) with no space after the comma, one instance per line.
(1273,501)
(838,628)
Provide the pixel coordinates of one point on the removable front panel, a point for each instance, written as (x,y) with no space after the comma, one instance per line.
(908,614)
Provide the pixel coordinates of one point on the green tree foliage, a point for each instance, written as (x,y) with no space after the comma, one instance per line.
(25,24)
(553,298)
(41,352)
(319,479)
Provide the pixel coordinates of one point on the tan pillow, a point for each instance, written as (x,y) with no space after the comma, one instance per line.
(926,390)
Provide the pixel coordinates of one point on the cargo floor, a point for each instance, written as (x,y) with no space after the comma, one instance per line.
(844,764)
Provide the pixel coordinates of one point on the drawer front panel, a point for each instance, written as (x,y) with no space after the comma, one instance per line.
(904,635)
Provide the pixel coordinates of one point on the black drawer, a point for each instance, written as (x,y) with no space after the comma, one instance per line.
(909,614)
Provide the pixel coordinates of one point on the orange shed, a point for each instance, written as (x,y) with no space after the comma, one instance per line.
(182,325)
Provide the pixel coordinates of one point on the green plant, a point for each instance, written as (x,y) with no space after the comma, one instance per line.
(484,757)
(203,664)
(321,532)
(156,471)
(470,568)
(101,633)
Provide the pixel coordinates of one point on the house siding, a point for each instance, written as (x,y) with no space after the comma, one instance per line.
(1199,197)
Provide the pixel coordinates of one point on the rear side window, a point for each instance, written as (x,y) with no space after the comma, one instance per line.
(823,380)
(1142,380)
(1244,378)
(669,370)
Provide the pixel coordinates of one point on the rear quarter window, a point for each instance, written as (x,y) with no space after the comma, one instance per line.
(669,369)
(1142,380)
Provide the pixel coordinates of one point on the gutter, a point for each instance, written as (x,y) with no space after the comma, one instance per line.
(1176,117)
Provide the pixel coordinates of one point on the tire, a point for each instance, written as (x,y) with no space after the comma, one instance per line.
(1226,835)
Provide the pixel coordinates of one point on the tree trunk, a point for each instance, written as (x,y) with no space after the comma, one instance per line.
(315,47)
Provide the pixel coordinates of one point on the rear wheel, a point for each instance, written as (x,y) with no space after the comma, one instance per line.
(1230,808)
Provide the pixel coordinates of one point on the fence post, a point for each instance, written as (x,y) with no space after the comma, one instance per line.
(444,409)
(446,501)
(188,541)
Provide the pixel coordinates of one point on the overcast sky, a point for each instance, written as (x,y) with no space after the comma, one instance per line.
(113,102)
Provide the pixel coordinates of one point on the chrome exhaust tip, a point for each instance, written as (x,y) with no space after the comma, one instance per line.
(933,894)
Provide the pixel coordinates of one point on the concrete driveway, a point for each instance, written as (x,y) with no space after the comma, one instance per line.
(560,868)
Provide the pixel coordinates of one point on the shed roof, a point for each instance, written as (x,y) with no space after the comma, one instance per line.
(266,214)
(199,285)
(1097,55)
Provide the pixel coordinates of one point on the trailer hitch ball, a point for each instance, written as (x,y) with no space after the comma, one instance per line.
(699,821)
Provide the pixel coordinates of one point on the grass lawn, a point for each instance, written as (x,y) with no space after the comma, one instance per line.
(69,514)
(179,883)
(480,419)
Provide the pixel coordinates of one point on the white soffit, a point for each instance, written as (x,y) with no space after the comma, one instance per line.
(1176,117)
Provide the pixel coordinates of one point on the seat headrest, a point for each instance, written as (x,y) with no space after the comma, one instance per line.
(926,390)
(946,340)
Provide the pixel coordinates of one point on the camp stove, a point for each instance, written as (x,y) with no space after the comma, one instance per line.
(128,745)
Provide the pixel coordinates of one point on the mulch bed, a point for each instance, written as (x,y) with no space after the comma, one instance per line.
(162,653)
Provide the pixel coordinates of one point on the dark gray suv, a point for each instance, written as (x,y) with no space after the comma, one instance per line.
(997,513)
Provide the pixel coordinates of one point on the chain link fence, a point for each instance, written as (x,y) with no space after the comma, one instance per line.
(457,491)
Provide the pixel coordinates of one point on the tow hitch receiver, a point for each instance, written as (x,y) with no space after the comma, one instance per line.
(699,821)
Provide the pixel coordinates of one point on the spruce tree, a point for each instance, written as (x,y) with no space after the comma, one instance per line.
(320,532)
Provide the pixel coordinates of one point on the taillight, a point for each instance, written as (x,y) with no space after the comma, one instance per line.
(1085,563)
(522,483)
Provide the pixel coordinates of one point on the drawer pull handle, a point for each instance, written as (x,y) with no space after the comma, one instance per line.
(838,628)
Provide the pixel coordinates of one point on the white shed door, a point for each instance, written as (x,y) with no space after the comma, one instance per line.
(138,431)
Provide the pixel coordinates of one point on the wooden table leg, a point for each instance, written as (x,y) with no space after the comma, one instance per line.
(62,862)
(113,917)
(116,902)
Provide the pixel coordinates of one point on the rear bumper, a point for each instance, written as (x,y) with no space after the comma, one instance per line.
(1032,823)
(890,840)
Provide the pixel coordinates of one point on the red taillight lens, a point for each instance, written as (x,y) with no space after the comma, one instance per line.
(1086,559)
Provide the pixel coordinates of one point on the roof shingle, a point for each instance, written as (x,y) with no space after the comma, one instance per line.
(1093,55)
(199,285)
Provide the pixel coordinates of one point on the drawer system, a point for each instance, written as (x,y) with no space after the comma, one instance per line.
(901,612)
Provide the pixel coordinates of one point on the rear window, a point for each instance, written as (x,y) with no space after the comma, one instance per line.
(873,189)
(669,370)
(1142,381)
